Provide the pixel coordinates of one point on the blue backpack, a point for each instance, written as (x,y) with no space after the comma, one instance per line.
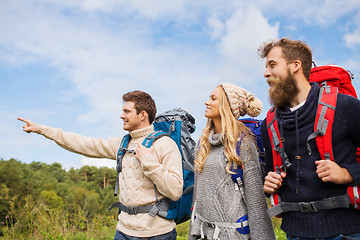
(255,127)
(177,124)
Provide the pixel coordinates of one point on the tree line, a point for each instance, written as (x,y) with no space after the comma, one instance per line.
(36,198)
(42,201)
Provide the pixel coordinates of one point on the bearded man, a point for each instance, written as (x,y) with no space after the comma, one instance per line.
(310,179)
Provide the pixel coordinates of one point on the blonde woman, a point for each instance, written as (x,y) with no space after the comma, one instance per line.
(223,208)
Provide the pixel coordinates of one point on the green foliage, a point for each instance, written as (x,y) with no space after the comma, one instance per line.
(11,173)
(41,201)
(280,234)
(182,230)
(51,199)
(5,200)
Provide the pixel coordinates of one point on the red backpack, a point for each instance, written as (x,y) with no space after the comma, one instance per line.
(332,79)
(334,76)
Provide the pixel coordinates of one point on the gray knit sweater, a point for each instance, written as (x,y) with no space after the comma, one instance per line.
(219,200)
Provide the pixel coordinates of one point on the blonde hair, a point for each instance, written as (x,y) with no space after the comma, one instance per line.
(231,131)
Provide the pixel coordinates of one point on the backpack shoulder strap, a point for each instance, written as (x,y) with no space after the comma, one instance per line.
(123,145)
(148,142)
(277,148)
(151,138)
(280,159)
(237,177)
(324,121)
(119,157)
(238,173)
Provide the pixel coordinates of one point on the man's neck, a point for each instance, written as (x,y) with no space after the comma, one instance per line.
(141,132)
(304,89)
(141,126)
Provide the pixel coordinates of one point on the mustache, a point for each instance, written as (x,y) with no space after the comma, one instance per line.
(272,80)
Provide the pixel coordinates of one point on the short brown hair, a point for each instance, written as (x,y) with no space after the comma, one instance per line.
(142,101)
(292,50)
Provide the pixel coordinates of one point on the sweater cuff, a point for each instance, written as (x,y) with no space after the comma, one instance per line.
(41,129)
(354,170)
(148,162)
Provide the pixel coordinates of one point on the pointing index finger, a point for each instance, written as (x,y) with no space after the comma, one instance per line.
(22,119)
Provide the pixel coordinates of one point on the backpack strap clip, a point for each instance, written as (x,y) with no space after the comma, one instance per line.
(153,211)
(308,207)
(342,201)
(123,150)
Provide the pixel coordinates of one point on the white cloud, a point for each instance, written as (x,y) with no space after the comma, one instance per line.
(245,31)
(352,39)
(354,67)
(292,28)
(217,26)
(178,51)
(322,13)
(105,63)
(104,55)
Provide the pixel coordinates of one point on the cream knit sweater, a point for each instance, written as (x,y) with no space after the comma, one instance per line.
(162,167)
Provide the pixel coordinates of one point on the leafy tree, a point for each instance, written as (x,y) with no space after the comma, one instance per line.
(74,175)
(34,194)
(11,174)
(5,201)
(51,199)
(56,171)
(37,166)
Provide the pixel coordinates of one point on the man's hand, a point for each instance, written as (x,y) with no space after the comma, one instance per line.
(273,181)
(29,126)
(141,150)
(330,171)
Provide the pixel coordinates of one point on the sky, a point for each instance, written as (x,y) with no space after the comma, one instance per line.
(66,63)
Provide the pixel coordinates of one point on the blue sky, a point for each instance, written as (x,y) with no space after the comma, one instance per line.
(67,63)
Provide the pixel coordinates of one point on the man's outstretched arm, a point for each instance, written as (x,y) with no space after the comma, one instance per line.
(87,146)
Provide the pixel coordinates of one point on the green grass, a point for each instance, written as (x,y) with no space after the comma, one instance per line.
(280,234)
(40,223)
(182,230)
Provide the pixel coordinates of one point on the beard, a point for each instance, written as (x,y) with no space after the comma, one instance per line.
(282,91)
